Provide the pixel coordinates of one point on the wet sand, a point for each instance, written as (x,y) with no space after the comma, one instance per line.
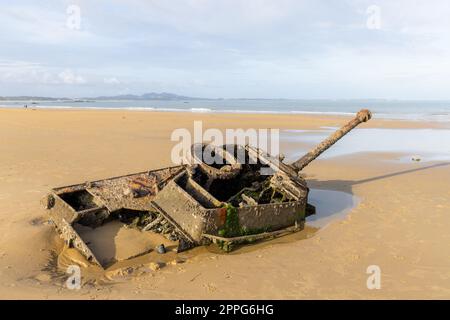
(401,222)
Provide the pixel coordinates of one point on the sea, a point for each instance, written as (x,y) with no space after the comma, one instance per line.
(414,110)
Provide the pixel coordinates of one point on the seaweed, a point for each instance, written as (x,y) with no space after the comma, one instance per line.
(231,228)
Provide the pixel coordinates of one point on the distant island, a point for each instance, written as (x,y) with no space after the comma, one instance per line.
(145,96)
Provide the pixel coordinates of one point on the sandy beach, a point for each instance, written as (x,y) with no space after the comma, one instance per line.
(401,222)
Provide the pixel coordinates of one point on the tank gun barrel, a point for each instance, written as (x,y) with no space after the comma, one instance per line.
(363,115)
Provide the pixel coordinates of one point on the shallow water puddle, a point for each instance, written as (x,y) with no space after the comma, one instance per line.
(330,206)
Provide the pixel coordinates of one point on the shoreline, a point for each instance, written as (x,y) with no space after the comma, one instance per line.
(443,118)
(321,117)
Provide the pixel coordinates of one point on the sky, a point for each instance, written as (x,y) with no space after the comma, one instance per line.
(304,49)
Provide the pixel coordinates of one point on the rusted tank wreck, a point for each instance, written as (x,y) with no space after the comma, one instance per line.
(196,203)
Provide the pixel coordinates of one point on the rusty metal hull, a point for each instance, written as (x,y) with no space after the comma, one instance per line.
(194,213)
(94,202)
(197,219)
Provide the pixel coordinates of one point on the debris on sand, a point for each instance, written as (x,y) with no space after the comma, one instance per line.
(161,249)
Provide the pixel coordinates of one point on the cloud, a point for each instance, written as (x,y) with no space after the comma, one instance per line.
(68,77)
(112,80)
(14,71)
(43,24)
(228,48)
(24,72)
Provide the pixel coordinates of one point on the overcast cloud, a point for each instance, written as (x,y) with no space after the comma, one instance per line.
(227,48)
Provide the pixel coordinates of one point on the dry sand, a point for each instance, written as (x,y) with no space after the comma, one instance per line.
(401,224)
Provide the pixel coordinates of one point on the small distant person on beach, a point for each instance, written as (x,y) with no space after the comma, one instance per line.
(25,106)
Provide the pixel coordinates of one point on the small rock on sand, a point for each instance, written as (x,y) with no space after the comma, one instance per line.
(161,249)
(154,266)
(119,272)
(174,262)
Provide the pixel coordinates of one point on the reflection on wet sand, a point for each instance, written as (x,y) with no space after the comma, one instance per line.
(330,206)
(425,144)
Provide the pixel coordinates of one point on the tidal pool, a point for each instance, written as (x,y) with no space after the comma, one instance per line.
(330,206)
(427,144)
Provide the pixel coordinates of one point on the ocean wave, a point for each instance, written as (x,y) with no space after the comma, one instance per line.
(200,110)
(431,116)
